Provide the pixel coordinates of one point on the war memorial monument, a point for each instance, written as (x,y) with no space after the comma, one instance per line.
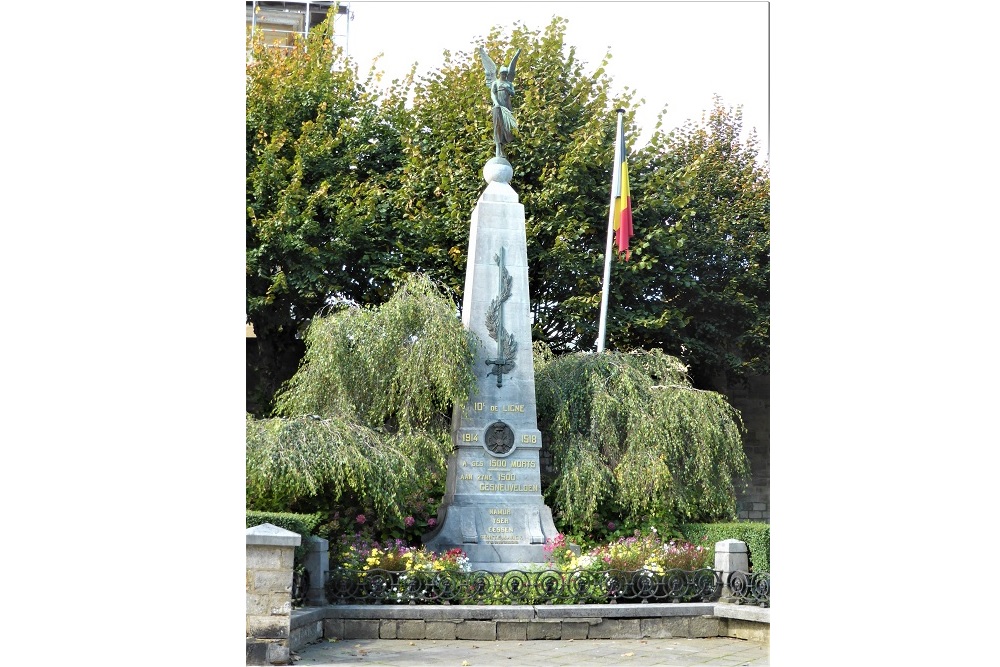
(493,507)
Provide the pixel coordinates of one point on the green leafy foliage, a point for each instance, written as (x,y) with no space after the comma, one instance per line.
(303,524)
(700,282)
(757,536)
(631,437)
(351,186)
(399,366)
(368,413)
(320,153)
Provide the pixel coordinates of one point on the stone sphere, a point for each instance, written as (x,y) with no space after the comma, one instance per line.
(498,170)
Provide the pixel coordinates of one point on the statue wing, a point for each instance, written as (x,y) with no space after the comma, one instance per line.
(489,66)
(512,68)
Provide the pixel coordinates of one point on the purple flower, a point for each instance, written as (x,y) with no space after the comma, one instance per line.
(432,522)
(360,518)
(611,525)
(409,521)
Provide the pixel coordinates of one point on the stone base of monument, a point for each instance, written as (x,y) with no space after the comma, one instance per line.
(493,508)
(498,537)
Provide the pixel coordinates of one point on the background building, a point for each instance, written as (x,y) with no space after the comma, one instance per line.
(281,21)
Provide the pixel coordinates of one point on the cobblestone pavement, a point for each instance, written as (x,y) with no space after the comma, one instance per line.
(716,651)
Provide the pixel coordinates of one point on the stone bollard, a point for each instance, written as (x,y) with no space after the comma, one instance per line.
(730,556)
(317,562)
(270,558)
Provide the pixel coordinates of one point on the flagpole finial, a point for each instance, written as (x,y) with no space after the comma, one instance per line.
(621,110)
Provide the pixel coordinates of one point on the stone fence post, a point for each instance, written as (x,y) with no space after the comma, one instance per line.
(730,556)
(270,558)
(317,562)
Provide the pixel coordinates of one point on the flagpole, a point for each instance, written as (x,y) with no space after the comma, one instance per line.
(615,178)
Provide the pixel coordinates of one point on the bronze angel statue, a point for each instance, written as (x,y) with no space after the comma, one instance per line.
(501,91)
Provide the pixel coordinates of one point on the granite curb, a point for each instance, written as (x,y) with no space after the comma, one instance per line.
(529,622)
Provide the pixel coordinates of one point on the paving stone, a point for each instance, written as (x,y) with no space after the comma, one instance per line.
(615,628)
(544,629)
(268,627)
(514,631)
(664,628)
(333,628)
(439,630)
(716,651)
(256,652)
(705,626)
(278,653)
(575,629)
(480,630)
(410,630)
(354,629)
(740,629)
(387,629)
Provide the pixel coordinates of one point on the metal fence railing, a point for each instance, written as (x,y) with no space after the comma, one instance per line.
(751,587)
(522,587)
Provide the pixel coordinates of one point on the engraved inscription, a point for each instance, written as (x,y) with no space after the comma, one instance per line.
(508,487)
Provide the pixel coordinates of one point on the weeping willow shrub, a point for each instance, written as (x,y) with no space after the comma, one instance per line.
(632,438)
(369,409)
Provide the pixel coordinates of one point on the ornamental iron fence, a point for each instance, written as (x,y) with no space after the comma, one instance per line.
(481,587)
(300,586)
(751,587)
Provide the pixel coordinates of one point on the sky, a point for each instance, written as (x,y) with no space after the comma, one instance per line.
(675,55)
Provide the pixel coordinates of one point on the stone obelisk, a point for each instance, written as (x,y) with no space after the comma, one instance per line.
(493,507)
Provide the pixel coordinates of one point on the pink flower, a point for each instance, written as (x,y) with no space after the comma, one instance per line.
(611,525)
(360,518)
(432,522)
(409,521)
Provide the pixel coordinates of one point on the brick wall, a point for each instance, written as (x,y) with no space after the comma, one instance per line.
(753,400)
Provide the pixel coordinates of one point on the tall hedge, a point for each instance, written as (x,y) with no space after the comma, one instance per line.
(303,524)
(757,536)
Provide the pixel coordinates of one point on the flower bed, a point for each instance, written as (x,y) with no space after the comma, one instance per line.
(519,587)
(633,569)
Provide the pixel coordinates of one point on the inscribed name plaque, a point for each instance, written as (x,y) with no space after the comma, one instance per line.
(493,508)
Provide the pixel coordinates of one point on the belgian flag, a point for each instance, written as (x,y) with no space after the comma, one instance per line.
(622,216)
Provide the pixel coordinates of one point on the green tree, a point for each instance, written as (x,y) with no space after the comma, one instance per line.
(632,438)
(697,284)
(346,200)
(700,284)
(368,412)
(321,152)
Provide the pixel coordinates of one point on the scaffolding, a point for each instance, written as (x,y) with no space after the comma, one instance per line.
(280,22)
